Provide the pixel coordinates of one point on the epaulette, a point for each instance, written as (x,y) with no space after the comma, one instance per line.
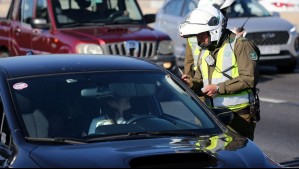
(242,39)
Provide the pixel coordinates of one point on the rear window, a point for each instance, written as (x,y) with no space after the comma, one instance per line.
(247,8)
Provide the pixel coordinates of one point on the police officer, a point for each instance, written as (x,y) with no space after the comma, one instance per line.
(227,67)
(189,64)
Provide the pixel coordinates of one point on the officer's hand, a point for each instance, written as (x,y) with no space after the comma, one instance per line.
(187,80)
(239,32)
(210,90)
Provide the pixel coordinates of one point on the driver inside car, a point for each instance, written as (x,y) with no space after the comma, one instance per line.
(113,113)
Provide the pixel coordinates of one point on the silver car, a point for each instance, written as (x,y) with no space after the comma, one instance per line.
(277,38)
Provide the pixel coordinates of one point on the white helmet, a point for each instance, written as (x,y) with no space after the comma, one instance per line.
(204,19)
(220,4)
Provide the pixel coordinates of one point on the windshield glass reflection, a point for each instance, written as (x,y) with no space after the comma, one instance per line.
(108,103)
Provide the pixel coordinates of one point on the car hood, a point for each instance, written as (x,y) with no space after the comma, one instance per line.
(115,33)
(260,24)
(208,151)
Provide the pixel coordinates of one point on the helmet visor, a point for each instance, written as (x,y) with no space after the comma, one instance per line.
(189,29)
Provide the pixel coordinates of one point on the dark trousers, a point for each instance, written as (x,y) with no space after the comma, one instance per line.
(243,123)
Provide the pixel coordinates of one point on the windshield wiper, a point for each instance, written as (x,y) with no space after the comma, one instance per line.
(82,25)
(56,140)
(115,22)
(134,135)
(166,133)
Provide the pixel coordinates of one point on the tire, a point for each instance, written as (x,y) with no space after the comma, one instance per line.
(290,68)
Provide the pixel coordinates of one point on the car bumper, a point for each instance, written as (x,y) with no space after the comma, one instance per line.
(278,60)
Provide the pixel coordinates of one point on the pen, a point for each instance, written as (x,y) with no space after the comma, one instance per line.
(181,71)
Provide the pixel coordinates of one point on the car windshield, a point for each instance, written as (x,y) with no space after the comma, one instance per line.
(69,13)
(107,103)
(247,8)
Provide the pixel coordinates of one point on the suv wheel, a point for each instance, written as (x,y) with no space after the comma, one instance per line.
(287,68)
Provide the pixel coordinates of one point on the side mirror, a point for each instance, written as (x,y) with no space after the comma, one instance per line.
(225,115)
(150,18)
(40,24)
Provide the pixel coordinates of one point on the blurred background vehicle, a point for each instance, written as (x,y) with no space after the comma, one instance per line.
(277,38)
(280,5)
(81,26)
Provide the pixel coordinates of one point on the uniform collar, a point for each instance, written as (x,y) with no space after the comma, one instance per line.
(227,37)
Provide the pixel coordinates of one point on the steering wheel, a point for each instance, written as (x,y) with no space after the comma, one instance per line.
(115,15)
(139,117)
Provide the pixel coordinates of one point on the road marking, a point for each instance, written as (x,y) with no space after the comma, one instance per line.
(270,100)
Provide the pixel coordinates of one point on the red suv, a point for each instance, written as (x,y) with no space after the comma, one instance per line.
(115,27)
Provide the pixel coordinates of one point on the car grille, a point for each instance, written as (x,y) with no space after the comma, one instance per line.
(143,49)
(269,38)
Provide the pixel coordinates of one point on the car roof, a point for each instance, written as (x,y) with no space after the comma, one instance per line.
(21,66)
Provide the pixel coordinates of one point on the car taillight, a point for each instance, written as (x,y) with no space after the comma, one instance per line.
(281,5)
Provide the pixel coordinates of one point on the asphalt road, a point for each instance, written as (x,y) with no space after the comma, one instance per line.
(278,131)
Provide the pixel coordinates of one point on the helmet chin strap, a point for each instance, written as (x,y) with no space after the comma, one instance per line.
(205,46)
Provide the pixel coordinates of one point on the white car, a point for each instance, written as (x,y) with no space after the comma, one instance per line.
(277,38)
(281,5)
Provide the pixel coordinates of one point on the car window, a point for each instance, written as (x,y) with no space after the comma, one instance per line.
(174,8)
(83,12)
(247,8)
(81,105)
(4,129)
(42,10)
(27,11)
(188,7)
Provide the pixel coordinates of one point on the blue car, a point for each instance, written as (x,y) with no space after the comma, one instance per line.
(69,110)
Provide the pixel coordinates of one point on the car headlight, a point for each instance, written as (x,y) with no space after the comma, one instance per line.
(89,49)
(165,47)
(293,29)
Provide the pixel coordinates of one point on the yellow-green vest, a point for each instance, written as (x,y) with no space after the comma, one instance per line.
(214,143)
(195,51)
(226,62)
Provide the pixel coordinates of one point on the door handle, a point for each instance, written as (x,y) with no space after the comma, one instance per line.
(17,30)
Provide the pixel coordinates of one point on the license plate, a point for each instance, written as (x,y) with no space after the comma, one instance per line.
(265,50)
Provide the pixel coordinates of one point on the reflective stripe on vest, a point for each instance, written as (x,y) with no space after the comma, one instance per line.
(215,144)
(195,50)
(226,60)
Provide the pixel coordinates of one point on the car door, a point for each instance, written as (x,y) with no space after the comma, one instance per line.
(5,23)
(22,30)
(41,38)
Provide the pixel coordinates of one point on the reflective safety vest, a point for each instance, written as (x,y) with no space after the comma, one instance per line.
(214,144)
(195,51)
(226,65)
